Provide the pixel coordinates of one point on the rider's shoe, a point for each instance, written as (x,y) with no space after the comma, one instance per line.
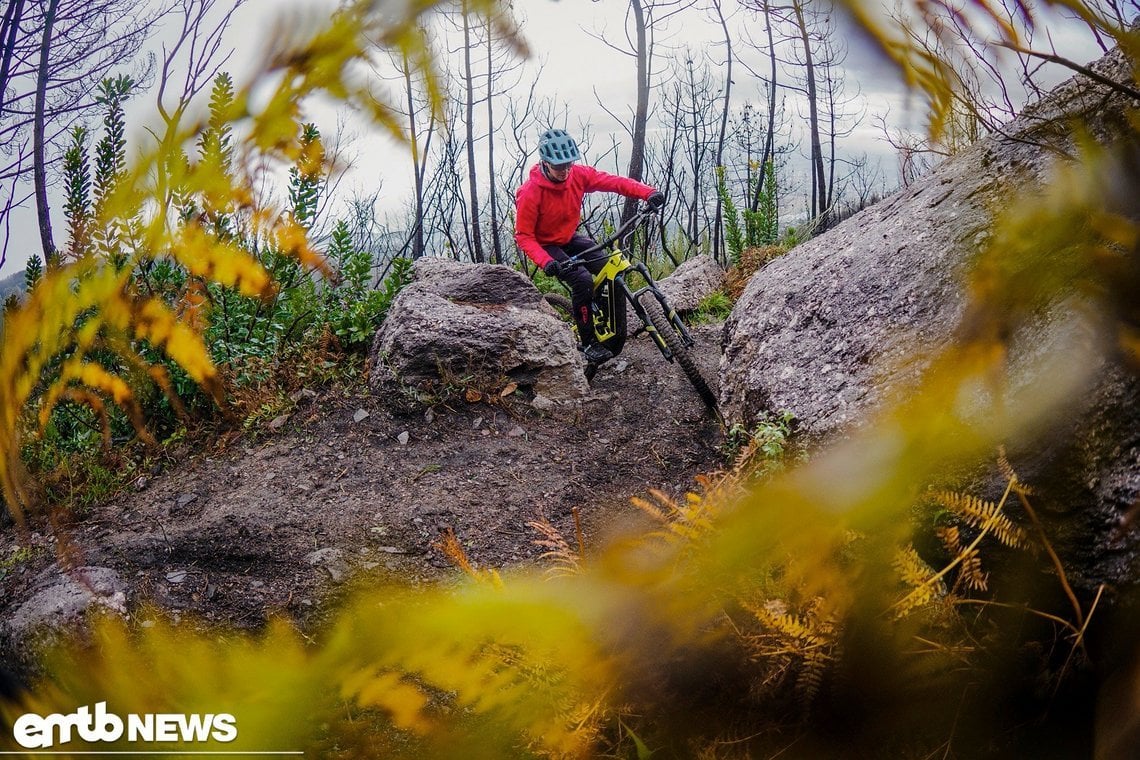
(596,353)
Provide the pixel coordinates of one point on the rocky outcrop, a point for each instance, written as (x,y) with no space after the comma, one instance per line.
(687,286)
(59,600)
(829,329)
(839,325)
(459,320)
(692,282)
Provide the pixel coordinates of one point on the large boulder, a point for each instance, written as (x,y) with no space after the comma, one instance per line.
(841,324)
(692,282)
(831,328)
(687,286)
(456,320)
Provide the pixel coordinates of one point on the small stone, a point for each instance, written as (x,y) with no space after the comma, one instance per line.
(429,416)
(176,576)
(476,423)
(360,415)
(186,499)
(516,432)
(621,366)
(331,561)
(404,437)
(279,422)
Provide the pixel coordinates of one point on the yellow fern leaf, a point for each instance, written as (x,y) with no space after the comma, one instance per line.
(912,569)
(156,323)
(220,261)
(982,514)
(389,691)
(971,573)
(951,538)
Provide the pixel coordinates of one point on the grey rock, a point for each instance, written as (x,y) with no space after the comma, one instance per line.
(61,600)
(302,395)
(279,421)
(331,561)
(404,437)
(687,286)
(842,324)
(360,415)
(692,282)
(488,321)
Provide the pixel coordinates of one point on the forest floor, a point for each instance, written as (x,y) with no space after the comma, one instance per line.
(355,485)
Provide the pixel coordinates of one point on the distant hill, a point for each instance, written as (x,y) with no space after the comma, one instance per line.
(12,284)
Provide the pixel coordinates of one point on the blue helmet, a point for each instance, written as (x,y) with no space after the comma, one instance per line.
(557,147)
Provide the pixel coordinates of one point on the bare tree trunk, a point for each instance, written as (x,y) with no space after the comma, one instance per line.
(770,140)
(492,200)
(39,148)
(13,15)
(819,199)
(718,247)
(417,172)
(695,158)
(641,115)
(472,179)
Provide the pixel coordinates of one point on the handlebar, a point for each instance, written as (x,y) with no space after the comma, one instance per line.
(643,213)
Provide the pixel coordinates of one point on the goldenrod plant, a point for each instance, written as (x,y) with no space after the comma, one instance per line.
(670,639)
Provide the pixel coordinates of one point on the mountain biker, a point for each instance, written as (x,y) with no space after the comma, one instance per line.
(549,210)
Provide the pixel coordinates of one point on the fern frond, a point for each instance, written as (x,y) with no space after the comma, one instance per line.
(922,580)
(565,560)
(970,571)
(951,539)
(979,513)
(404,702)
(911,568)
(1008,472)
(449,546)
(649,509)
(816,663)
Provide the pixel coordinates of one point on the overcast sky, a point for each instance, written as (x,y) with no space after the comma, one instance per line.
(577,69)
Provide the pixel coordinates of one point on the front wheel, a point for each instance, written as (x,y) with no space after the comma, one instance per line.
(656,316)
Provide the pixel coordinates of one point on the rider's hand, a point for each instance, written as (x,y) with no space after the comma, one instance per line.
(556,268)
(656,200)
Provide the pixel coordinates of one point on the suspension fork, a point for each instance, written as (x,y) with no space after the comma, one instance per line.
(634,298)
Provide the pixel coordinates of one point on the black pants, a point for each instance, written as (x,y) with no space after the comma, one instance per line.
(580,281)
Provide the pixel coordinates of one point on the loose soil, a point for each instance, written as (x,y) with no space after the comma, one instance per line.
(358,484)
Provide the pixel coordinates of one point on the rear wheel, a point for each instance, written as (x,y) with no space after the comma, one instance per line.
(664,327)
(559,301)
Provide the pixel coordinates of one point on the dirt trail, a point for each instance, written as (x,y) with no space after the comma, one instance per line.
(273,525)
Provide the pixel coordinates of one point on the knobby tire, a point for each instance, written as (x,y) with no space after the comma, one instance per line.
(680,352)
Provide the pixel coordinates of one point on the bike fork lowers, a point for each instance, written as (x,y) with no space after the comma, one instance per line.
(670,314)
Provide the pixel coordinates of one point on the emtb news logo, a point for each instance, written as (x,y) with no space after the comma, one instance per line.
(33,731)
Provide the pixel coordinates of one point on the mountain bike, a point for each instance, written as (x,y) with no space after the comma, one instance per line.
(614,287)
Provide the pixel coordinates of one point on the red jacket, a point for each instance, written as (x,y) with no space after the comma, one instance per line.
(548,213)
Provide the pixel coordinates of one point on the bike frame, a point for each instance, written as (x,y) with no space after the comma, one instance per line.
(612,286)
